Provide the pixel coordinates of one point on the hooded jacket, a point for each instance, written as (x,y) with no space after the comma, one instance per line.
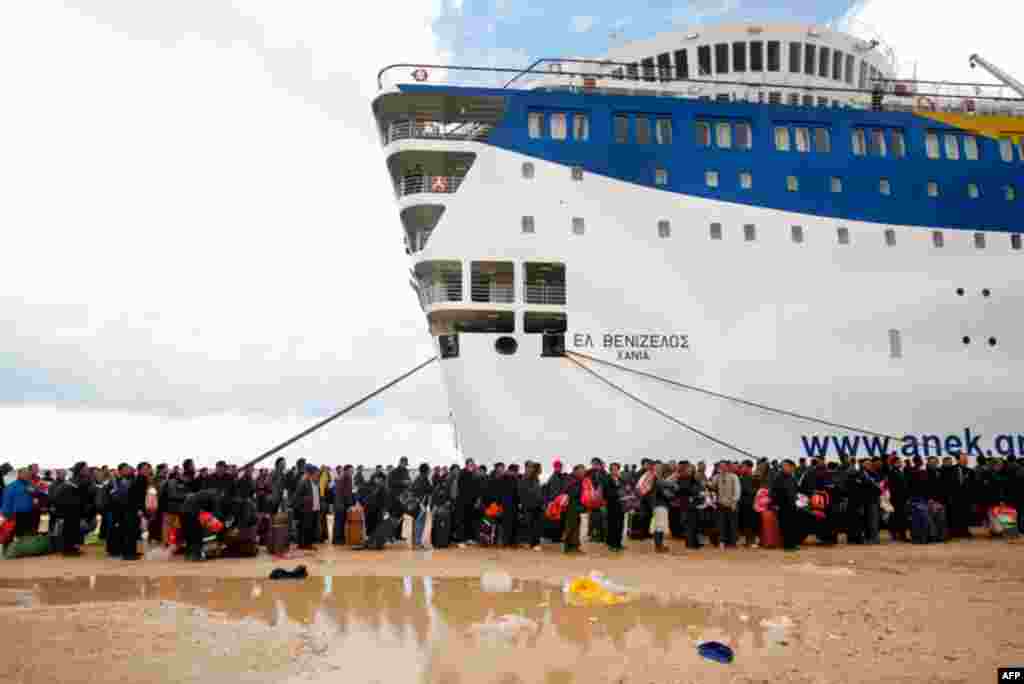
(17,499)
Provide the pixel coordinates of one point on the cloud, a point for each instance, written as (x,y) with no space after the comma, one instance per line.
(198,219)
(940,50)
(582,24)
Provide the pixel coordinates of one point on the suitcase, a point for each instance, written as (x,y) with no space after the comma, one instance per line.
(278,542)
(441,530)
(382,534)
(771,533)
(920,522)
(355,526)
(488,532)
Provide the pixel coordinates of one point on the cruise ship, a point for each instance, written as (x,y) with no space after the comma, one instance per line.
(746,240)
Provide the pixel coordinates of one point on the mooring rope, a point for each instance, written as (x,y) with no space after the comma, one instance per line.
(339,414)
(738,400)
(664,415)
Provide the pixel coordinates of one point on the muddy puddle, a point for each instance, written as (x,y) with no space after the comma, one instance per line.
(449,631)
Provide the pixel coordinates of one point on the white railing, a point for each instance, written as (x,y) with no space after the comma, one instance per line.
(436,130)
(440,293)
(545,294)
(493,293)
(410,185)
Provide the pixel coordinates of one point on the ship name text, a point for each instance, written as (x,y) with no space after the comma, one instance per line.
(631,346)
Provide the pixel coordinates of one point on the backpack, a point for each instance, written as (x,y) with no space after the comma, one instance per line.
(592,497)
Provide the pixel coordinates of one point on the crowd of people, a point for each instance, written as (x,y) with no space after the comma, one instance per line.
(917,500)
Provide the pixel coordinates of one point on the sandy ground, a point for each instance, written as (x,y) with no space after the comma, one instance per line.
(892,613)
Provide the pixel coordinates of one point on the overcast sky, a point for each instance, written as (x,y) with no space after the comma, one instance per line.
(201,252)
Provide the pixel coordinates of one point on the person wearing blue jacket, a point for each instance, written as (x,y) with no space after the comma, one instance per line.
(18,504)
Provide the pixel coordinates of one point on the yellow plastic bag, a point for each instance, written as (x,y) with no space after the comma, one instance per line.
(584,591)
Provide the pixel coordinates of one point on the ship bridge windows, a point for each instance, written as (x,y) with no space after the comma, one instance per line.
(757,55)
(492,282)
(419,222)
(665,67)
(558,125)
(536,322)
(739,57)
(810,52)
(728,134)
(439,282)
(448,322)
(722,58)
(878,142)
(682,65)
(837,65)
(804,138)
(704,61)
(774,55)
(544,283)
(795,57)
(954,146)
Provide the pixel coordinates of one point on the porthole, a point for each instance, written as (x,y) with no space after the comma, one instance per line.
(959,292)
(991,341)
(506,345)
(966,340)
(986,292)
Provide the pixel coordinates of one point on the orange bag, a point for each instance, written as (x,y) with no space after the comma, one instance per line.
(210,523)
(494,510)
(592,497)
(557,507)
(6,529)
(771,535)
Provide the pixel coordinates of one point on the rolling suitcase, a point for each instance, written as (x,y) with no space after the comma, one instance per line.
(278,543)
(441,530)
(355,526)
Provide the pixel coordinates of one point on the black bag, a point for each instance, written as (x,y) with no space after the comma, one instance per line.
(382,534)
(441,530)
(410,503)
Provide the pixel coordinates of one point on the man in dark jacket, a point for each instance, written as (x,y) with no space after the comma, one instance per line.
(897,481)
(508,499)
(465,521)
(399,482)
(616,517)
(959,497)
(132,504)
(344,499)
(73,502)
(784,491)
(307,507)
(531,500)
(114,506)
(421,489)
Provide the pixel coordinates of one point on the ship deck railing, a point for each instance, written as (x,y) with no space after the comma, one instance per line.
(493,294)
(439,130)
(552,294)
(412,185)
(596,77)
(440,293)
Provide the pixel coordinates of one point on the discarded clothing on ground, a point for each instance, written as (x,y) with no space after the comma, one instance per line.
(298,573)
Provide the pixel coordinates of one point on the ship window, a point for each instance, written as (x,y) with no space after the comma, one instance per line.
(739,56)
(471,321)
(580,127)
(559,130)
(862,82)
(1011,193)
(1015,241)
(744,140)
(795,57)
(535,322)
(877,142)
(797,233)
(837,65)
(843,235)
(933,189)
(577,173)
(792,183)
(938,239)
(491,282)
(716,231)
(884,186)
(895,345)
(979,240)
(664,229)
(970,147)
(774,55)
(749,232)
(544,283)
(643,130)
(849,69)
(782,138)
(704,60)
(952,146)
(703,134)
(648,65)
(722,58)
(899,145)
(823,61)
(973,191)
(723,135)
(665,66)
(578,227)
(536,125)
(837,184)
(803,139)
(660,176)
(621,128)
(682,65)
(663,130)
(858,142)
(775,98)
(711,179)
(822,140)
(890,237)
(756,55)
(634,71)
(1006,149)
(528,225)
(528,170)
(809,54)
(746,180)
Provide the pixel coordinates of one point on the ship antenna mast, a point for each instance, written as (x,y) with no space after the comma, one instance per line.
(1010,81)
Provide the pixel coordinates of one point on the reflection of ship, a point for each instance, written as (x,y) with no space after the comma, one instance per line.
(764,211)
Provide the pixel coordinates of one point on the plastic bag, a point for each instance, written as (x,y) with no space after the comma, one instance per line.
(762,500)
(593,497)
(557,507)
(594,590)
(210,523)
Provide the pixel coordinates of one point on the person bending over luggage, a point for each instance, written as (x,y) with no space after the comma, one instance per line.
(203,501)
(307,506)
